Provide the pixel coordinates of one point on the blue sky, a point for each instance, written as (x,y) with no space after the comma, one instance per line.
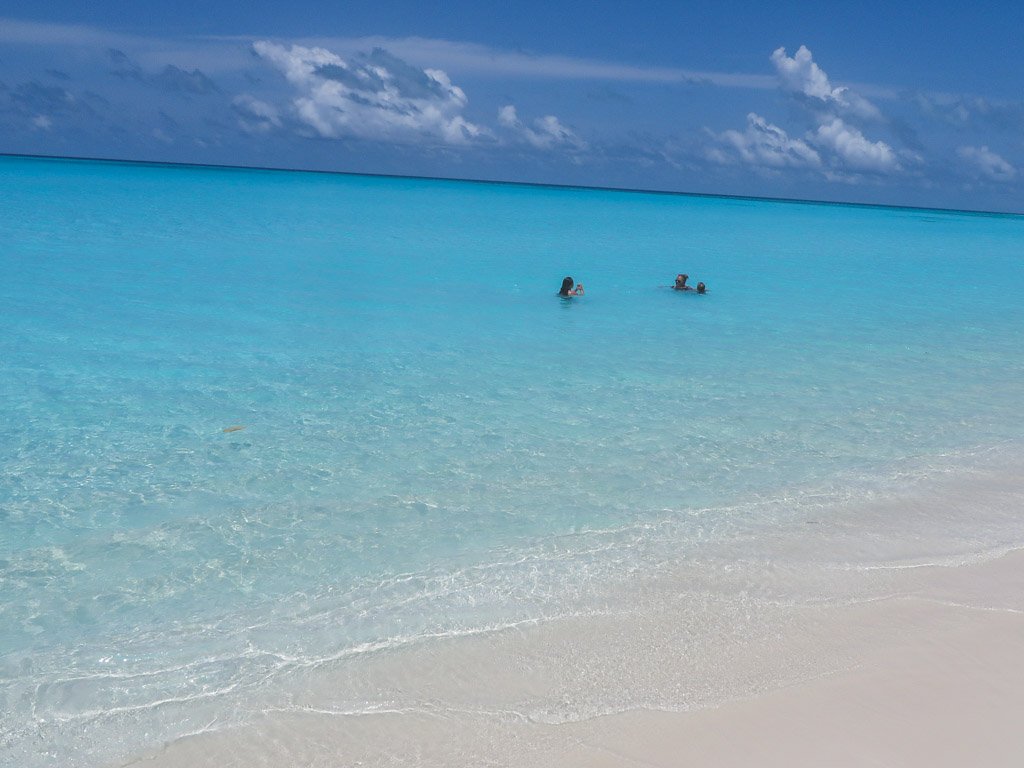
(903,103)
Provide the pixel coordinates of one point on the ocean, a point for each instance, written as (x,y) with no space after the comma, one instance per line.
(260,430)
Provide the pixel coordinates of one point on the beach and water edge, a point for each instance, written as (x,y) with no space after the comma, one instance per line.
(775,661)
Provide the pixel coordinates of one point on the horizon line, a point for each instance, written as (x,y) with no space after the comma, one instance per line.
(594,188)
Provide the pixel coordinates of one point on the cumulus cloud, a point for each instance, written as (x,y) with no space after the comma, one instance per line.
(845,146)
(831,146)
(374,96)
(545,133)
(834,147)
(170,78)
(986,163)
(764,144)
(801,75)
(255,116)
(853,149)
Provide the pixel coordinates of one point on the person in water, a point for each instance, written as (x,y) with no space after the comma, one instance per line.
(569,288)
(701,288)
(681,283)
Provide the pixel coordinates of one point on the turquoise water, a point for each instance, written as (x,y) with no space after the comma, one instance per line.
(433,442)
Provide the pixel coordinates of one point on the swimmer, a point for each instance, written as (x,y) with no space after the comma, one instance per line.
(701,288)
(681,282)
(569,288)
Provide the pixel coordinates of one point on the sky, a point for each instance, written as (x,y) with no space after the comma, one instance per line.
(911,103)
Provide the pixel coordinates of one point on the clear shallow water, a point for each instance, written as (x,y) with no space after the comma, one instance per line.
(434,443)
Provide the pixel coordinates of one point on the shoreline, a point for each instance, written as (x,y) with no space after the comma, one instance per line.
(749,613)
(924,667)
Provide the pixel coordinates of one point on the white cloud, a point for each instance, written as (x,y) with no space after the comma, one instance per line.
(547,132)
(254,115)
(372,96)
(835,149)
(42,122)
(800,74)
(853,149)
(843,147)
(983,161)
(764,144)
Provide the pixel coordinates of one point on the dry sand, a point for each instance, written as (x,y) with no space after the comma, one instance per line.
(947,691)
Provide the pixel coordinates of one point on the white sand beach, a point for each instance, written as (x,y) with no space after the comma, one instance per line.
(945,687)
(932,675)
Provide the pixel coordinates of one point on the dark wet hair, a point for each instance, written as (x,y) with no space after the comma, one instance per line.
(567,285)
(701,287)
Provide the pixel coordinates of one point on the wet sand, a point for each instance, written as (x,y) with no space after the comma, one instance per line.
(932,675)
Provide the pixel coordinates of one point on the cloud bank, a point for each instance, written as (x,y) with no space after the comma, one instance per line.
(546,132)
(255,116)
(985,163)
(376,96)
(765,145)
(801,75)
(77,89)
(831,145)
(854,150)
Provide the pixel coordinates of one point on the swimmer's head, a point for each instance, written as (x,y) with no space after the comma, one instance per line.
(567,285)
(681,280)
(701,288)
